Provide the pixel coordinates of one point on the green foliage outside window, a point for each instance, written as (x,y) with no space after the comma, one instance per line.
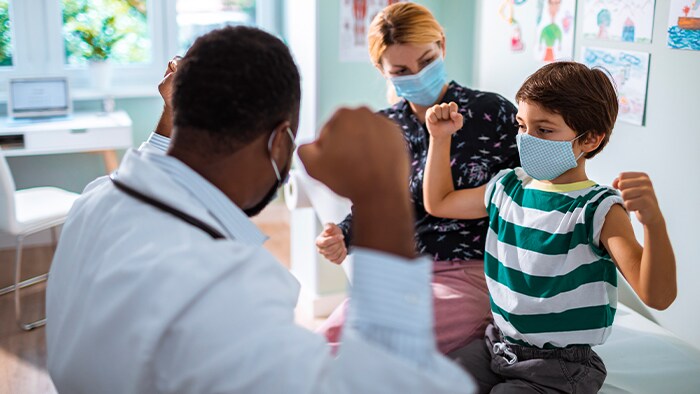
(106,29)
(195,20)
(5,34)
(247,6)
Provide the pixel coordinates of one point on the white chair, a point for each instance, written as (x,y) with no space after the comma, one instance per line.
(25,212)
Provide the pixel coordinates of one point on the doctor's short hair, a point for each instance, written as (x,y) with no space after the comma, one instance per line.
(586,98)
(234,85)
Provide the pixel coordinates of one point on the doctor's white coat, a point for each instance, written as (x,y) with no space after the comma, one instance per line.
(139,301)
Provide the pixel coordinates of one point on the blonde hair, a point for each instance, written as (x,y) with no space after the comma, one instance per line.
(402,23)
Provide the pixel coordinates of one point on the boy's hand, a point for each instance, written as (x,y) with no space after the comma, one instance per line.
(638,195)
(443,120)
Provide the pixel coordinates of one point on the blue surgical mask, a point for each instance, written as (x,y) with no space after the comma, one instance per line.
(424,87)
(545,160)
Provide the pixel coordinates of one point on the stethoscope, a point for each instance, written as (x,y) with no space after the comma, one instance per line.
(214,233)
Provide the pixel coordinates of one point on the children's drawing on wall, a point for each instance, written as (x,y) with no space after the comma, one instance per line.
(620,20)
(684,25)
(630,72)
(355,17)
(507,12)
(555,30)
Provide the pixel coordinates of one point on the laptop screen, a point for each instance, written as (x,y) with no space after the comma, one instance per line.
(39,97)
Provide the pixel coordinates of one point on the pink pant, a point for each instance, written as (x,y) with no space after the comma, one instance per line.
(461,306)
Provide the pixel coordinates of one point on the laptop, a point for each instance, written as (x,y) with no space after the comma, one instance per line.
(39,98)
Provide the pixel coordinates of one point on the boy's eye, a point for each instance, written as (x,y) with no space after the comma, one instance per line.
(545,131)
(427,61)
(521,128)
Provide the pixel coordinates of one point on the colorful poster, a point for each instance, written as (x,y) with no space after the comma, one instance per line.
(355,18)
(619,20)
(555,30)
(630,72)
(684,25)
(507,12)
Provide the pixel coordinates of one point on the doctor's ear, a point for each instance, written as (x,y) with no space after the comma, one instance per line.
(280,141)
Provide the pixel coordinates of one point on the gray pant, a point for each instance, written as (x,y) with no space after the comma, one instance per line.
(501,368)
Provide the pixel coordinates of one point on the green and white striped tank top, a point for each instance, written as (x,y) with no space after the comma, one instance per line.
(551,282)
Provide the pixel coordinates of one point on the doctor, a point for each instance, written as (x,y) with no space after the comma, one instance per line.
(160,282)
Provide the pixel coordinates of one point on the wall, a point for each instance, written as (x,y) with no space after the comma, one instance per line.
(666,148)
(360,83)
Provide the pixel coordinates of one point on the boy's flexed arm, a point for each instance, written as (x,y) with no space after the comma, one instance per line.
(439,195)
(651,270)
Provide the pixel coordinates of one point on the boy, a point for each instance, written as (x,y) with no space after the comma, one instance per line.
(555,237)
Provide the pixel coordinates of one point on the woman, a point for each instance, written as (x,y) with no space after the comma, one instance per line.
(407,45)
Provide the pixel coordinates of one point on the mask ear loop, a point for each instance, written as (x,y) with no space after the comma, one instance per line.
(269,149)
(577,137)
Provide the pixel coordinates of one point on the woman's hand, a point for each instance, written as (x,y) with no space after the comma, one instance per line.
(331,244)
(443,120)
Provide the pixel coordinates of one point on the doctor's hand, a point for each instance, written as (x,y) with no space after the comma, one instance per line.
(363,156)
(331,245)
(359,155)
(443,120)
(165,87)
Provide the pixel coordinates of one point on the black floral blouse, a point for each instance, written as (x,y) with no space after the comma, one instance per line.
(484,146)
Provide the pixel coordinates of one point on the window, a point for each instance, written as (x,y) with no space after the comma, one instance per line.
(5,34)
(60,38)
(198,17)
(106,29)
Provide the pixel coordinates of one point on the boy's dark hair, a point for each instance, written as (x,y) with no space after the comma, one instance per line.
(233,85)
(584,97)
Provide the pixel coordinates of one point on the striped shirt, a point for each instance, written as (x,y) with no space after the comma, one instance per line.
(552,284)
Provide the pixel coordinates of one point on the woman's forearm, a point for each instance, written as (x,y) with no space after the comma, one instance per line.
(437,182)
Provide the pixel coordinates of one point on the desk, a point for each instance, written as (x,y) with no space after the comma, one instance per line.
(81,132)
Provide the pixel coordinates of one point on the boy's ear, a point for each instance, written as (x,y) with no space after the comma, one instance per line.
(591,141)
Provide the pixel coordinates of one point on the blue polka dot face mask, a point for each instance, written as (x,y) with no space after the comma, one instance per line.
(424,87)
(545,160)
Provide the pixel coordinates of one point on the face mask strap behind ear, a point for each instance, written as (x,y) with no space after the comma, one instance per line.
(269,149)
(577,137)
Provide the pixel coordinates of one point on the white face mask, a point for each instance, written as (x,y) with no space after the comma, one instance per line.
(545,160)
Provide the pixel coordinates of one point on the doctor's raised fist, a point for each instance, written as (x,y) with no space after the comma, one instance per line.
(359,155)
